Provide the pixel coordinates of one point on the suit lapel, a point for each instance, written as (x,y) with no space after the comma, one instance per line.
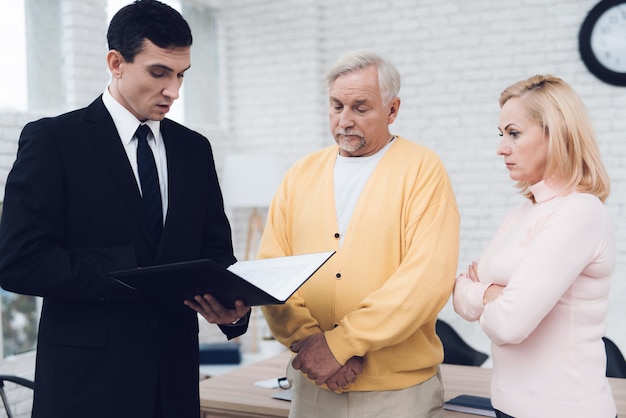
(107,141)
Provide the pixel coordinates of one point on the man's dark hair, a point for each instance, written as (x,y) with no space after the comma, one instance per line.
(147,19)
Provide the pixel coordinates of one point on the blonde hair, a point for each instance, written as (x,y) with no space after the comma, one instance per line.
(573,154)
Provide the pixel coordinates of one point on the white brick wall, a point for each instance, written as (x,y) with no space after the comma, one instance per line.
(273,77)
(455,57)
(84,49)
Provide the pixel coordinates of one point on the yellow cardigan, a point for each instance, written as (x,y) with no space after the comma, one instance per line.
(379,296)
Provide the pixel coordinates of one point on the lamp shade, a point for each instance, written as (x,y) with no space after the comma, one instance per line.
(250,180)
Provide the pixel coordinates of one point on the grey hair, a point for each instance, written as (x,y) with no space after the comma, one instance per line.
(388,75)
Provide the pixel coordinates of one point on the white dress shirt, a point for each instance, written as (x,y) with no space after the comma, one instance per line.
(126,124)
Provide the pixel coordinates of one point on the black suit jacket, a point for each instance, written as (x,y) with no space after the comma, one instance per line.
(73,212)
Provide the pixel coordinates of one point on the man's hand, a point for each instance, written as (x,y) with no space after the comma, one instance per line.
(216,313)
(346,374)
(315,359)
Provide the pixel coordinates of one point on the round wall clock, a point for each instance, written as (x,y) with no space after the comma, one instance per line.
(602,41)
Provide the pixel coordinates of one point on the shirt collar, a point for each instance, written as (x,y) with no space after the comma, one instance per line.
(125,122)
(543,191)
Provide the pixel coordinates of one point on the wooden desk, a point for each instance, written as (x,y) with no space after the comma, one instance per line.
(234,395)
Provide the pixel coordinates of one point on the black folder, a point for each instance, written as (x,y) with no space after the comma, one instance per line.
(476,405)
(179,281)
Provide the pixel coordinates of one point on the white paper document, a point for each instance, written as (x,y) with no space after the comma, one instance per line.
(280,276)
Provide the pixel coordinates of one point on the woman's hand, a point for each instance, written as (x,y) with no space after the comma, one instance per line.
(492,293)
(472,271)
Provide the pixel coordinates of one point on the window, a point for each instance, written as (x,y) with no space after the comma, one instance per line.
(20,317)
(13,69)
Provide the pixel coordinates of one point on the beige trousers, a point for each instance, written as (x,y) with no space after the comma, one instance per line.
(310,401)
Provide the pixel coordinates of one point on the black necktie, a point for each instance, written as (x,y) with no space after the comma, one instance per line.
(149,179)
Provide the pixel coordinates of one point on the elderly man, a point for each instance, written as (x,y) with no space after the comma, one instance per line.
(363,326)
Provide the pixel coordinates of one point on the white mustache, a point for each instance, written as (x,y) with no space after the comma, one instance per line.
(350,132)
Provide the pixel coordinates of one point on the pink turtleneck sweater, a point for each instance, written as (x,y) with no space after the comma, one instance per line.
(555,258)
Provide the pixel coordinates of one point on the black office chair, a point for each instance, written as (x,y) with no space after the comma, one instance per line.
(17,380)
(455,349)
(615,363)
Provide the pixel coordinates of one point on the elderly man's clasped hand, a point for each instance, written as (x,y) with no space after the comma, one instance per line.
(317,362)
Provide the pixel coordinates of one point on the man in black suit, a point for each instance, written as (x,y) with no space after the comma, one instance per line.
(73,212)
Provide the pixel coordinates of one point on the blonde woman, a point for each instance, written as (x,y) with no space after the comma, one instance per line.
(540,288)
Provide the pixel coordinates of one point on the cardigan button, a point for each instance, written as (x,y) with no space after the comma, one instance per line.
(338,275)
(337,235)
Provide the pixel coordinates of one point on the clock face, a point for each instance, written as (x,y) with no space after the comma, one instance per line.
(608,38)
(602,41)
